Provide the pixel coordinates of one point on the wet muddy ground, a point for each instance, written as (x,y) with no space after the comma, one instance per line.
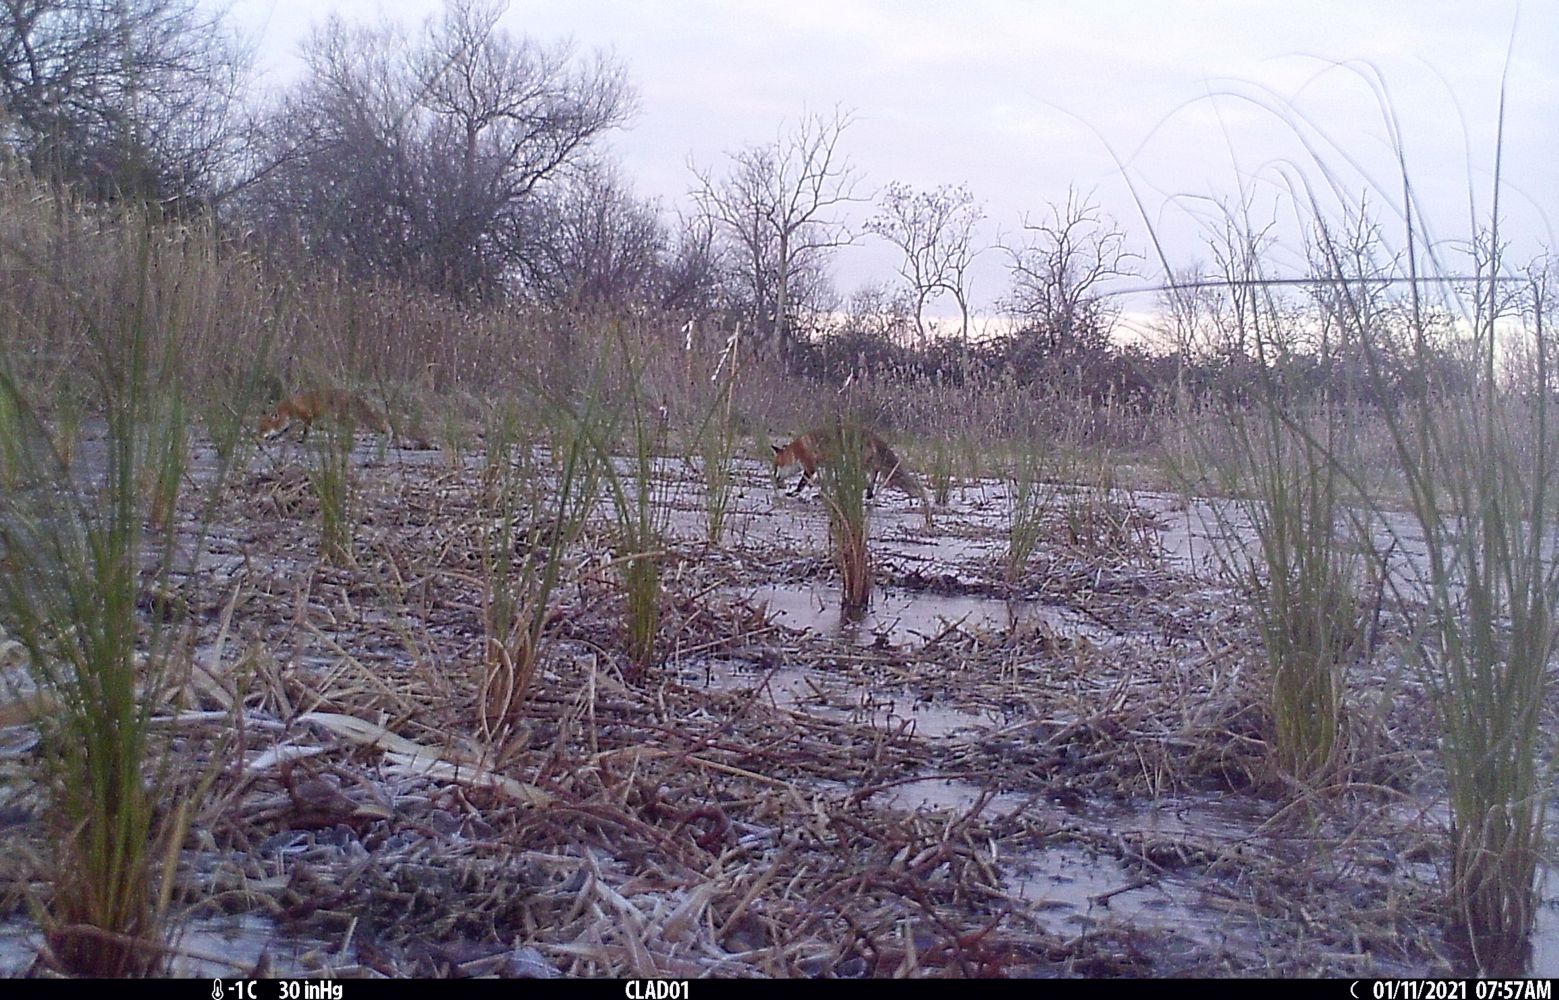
(1061,773)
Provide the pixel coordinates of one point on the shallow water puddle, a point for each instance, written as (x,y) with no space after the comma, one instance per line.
(225,946)
(802,690)
(18,948)
(899,617)
(1196,536)
(1073,888)
(207,948)
(1545,929)
(947,552)
(1070,889)
(951,794)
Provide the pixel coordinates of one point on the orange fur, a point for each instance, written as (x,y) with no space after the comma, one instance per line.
(821,445)
(307,407)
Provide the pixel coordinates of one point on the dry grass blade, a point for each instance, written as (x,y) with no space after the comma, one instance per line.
(434,762)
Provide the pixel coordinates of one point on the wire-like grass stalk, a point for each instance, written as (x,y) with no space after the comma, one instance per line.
(717,444)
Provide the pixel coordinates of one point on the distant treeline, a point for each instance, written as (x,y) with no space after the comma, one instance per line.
(467,163)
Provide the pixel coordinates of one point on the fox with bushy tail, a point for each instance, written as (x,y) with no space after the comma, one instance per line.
(822,446)
(303,408)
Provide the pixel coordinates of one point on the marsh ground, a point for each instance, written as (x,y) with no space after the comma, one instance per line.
(1062,773)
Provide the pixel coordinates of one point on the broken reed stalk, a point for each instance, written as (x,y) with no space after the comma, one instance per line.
(718,445)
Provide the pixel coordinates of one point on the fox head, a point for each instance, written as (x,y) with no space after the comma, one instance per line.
(273,423)
(784,456)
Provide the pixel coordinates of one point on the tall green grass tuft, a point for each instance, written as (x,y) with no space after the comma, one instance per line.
(82,567)
(1480,479)
(939,470)
(167,462)
(843,483)
(1086,508)
(508,660)
(335,488)
(717,446)
(1304,577)
(528,529)
(1282,475)
(454,436)
(641,502)
(1471,436)
(14,459)
(1472,428)
(1030,492)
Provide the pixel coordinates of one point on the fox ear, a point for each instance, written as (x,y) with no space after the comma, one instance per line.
(777,448)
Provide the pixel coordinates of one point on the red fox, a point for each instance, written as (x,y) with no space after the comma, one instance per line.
(820,445)
(306,407)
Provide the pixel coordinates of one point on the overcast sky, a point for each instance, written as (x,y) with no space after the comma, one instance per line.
(1022,98)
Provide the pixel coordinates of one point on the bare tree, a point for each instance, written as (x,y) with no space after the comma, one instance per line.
(130,98)
(777,205)
(1540,310)
(695,271)
(594,243)
(1243,313)
(340,163)
(420,159)
(1059,274)
(1184,303)
(935,232)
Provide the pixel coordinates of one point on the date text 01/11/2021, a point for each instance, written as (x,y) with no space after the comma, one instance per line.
(1452,989)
